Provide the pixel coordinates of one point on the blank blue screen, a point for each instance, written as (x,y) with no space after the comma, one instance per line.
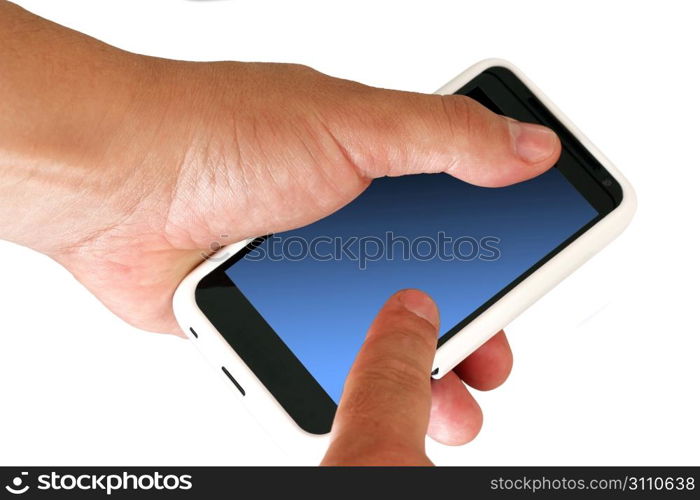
(322,308)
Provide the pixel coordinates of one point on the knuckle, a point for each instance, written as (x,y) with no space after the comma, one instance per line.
(302,69)
(468,120)
(403,374)
(458,115)
(410,332)
(382,384)
(361,405)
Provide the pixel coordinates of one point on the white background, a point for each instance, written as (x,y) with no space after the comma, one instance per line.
(606,368)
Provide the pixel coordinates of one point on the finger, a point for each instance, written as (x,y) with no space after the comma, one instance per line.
(407,133)
(386,399)
(455,416)
(488,366)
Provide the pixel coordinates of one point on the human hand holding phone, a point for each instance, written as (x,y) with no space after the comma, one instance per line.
(141,163)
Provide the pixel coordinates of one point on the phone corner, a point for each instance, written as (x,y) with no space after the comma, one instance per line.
(184,299)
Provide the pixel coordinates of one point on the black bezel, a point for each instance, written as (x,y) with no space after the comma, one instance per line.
(275,364)
(257,344)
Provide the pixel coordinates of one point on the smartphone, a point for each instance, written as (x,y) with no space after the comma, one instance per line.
(282,325)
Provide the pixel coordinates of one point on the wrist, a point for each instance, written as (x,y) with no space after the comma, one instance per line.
(78,138)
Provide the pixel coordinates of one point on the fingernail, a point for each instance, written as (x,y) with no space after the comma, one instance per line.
(421,305)
(533,143)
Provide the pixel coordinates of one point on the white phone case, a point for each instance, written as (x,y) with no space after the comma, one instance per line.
(269,413)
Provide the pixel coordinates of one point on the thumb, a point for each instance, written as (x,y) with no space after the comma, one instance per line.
(384,411)
(409,133)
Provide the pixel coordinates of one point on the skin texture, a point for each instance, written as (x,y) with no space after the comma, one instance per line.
(125,169)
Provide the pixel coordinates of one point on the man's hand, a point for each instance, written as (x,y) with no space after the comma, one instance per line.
(125,168)
(389,402)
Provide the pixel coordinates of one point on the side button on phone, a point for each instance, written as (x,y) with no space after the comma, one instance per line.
(230,377)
